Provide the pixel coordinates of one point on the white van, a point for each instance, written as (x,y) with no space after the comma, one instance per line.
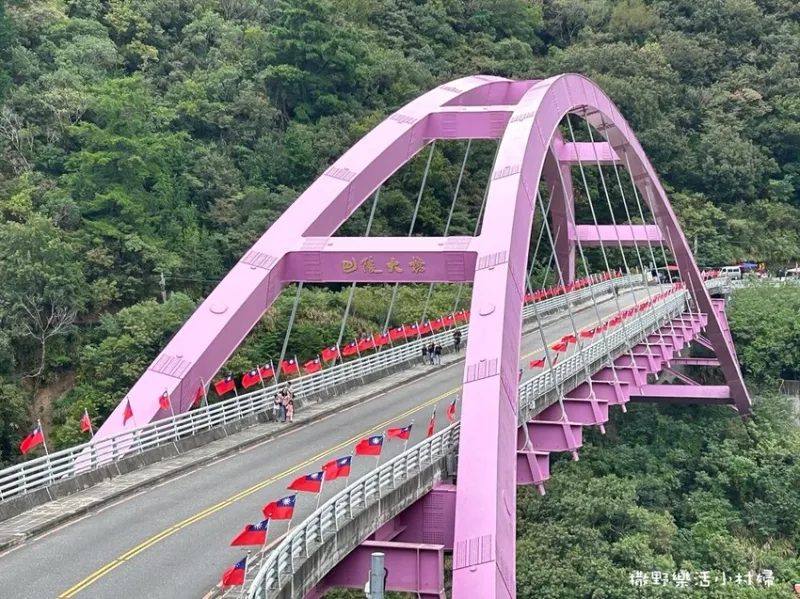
(732,272)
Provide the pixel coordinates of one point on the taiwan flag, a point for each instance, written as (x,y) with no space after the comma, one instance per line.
(382,339)
(289,366)
(330,353)
(403,433)
(397,333)
(36,437)
(350,349)
(163,401)
(234,576)
(128,413)
(199,395)
(538,363)
(587,334)
(283,509)
(461,316)
(267,372)
(251,378)
(337,468)
(370,446)
(312,366)
(225,385)
(253,534)
(410,330)
(86,422)
(425,328)
(366,343)
(451,411)
(311,483)
(560,346)
(449,320)
(432,423)
(569,339)
(436,324)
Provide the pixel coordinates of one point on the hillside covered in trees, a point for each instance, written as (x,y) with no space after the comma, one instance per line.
(161,137)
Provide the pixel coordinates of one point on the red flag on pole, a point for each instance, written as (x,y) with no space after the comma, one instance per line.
(86,422)
(253,534)
(251,378)
(538,363)
(289,366)
(337,468)
(451,411)
(432,423)
(311,483)
(127,414)
(36,437)
(370,446)
(399,433)
(283,509)
(199,395)
(234,576)
(225,385)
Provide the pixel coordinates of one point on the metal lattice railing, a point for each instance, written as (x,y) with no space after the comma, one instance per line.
(534,395)
(43,471)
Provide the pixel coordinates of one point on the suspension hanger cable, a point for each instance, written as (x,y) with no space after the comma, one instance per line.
(411,228)
(353,286)
(637,314)
(277,370)
(538,242)
(575,331)
(480,216)
(603,330)
(449,220)
(596,225)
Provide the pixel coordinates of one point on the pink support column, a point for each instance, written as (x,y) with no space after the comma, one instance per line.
(562,211)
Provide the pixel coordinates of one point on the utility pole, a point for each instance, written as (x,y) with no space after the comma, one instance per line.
(163,284)
(377,578)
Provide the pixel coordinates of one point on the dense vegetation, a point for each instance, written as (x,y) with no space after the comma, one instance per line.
(680,488)
(163,136)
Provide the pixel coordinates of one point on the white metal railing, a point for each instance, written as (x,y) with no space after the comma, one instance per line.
(40,472)
(279,565)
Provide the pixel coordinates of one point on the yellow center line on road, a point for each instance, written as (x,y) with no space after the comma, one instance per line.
(109,567)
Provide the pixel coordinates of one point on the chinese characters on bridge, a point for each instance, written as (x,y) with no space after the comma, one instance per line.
(367,265)
(684,579)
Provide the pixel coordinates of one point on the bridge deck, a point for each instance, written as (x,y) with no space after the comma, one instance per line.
(184,526)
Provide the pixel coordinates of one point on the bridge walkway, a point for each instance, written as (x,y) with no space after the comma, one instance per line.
(184,524)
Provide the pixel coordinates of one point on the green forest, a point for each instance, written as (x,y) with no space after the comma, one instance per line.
(144,145)
(676,489)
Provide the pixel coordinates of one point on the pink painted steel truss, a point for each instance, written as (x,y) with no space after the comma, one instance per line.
(299,247)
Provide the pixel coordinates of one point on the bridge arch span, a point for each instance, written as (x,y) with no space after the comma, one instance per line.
(485,528)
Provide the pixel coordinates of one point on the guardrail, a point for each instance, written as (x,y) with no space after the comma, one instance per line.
(280,564)
(43,471)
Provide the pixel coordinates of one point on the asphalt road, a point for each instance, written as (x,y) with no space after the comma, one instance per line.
(171,541)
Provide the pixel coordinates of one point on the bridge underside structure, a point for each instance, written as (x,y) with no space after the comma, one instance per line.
(479,513)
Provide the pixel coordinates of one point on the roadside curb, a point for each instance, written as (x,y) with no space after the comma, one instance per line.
(198,463)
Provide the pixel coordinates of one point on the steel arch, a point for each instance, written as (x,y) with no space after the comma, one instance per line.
(229,313)
(485,528)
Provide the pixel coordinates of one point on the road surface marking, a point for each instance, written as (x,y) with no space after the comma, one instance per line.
(92,578)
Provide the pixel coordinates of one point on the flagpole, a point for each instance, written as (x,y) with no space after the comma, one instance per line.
(347,478)
(321,485)
(89,420)
(378,461)
(172,411)
(410,428)
(46,452)
(244,582)
(205,393)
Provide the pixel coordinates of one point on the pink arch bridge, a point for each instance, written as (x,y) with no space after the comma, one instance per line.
(300,247)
